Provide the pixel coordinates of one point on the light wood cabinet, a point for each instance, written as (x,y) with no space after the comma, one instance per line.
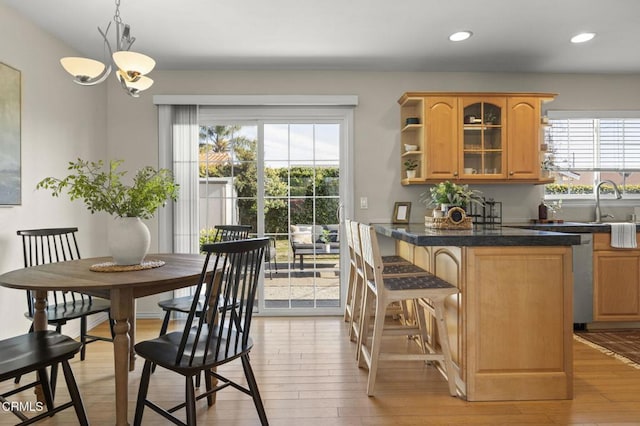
(524,133)
(519,323)
(482,146)
(511,325)
(616,281)
(440,155)
(412,136)
(474,137)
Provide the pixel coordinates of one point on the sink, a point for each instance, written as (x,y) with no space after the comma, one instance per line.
(610,222)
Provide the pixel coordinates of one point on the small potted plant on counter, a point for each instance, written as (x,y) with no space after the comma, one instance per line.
(448,194)
(451,201)
(410,166)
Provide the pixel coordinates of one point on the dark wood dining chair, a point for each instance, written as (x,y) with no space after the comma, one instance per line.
(42,246)
(183,304)
(215,336)
(34,352)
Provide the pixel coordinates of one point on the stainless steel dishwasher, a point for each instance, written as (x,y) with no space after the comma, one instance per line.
(583,282)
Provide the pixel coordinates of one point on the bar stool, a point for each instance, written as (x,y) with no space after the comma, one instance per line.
(349,305)
(380,291)
(396,269)
(357,289)
(394,260)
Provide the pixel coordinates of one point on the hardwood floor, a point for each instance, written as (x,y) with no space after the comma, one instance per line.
(306,370)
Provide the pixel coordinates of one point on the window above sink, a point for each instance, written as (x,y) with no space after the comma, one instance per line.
(585,147)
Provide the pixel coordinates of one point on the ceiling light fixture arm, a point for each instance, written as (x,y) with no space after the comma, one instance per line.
(88,81)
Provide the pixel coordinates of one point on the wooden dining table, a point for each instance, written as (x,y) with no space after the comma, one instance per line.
(122,288)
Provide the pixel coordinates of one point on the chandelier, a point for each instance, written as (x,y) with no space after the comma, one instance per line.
(132,67)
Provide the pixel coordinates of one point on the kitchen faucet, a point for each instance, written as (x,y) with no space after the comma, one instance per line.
(599,214)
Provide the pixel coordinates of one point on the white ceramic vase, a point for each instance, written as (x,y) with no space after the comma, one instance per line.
(129,240)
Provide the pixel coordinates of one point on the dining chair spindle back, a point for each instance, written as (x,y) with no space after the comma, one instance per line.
(183,304)
(41,246)
(214,333)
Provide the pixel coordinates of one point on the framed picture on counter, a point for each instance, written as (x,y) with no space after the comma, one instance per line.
(401,212)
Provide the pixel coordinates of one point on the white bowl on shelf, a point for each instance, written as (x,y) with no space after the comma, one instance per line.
(408,147)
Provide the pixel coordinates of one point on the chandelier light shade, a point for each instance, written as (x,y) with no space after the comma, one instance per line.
(85,71)
(131,66)
(134,87)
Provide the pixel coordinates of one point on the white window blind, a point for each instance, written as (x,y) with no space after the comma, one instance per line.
(573,143)
(620,144)
(598,144)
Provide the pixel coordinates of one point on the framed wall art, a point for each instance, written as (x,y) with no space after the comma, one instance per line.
(10,134)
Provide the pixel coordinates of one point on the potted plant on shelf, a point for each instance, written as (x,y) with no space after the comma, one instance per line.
(490,117)
(102,190)
(410,166)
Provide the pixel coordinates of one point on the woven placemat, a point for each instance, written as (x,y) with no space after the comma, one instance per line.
(112,267)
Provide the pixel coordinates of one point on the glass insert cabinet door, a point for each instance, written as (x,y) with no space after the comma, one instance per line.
(483,138)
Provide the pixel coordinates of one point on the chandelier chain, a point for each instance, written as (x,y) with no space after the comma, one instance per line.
(117,17)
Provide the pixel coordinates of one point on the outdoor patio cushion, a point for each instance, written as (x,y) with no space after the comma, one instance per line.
(307,234)
(301,234)
(334,234)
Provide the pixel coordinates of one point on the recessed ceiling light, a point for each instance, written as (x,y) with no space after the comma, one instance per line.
(582,37)
(460,35)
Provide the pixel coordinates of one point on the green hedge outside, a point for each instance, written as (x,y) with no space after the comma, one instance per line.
(561,189)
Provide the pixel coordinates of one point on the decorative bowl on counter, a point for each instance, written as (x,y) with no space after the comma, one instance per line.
(408,147)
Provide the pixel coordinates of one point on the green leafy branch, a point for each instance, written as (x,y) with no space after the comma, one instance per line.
(104,191)
(452,194)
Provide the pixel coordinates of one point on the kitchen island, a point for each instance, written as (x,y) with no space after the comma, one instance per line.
(511,325)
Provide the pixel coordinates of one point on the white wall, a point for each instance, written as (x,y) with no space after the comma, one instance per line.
(377,163)
(61,121)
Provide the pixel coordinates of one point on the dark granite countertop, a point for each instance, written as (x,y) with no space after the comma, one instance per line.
(419,235)
(571,227)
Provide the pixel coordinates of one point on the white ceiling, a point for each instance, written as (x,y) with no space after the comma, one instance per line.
(384,35)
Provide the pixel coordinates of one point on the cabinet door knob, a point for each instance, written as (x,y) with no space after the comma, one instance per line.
(455,173)
(511,173)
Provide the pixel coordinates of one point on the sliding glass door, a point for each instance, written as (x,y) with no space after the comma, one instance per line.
(301,200)
(284,178)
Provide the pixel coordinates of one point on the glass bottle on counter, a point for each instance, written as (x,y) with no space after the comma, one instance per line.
(543,211)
